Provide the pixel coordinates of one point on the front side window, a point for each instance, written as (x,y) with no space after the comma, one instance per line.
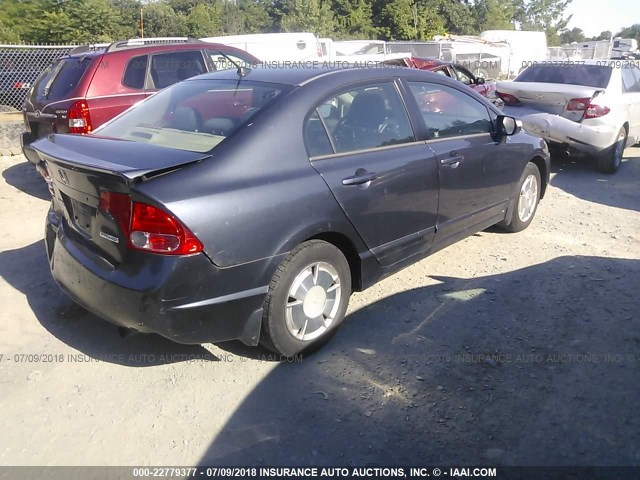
(173,67)
(448,112)
(464,76)
(195,115)
(366,117)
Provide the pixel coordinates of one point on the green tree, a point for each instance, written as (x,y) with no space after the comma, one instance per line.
(255,14)
(404,20)
(630,32)
(160,20)
(354,19)
(458,16)
(91,21)
(543,15)
(494,15)
(606,35)
(305,16)
(8,35)
(574,35)
(203,20)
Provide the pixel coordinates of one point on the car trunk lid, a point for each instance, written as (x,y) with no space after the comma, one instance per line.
(78,181)
(547,97)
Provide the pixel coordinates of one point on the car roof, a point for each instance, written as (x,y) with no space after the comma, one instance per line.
(97,50)
(287,74)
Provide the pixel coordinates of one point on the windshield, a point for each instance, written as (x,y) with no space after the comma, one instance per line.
(571,74)
(194,115)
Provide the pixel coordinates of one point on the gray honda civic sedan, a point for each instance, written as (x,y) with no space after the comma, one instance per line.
(250,204)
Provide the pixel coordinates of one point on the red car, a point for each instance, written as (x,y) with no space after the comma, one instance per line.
(455,71)
(82,90)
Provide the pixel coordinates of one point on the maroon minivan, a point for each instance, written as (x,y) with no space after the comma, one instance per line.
(93,84)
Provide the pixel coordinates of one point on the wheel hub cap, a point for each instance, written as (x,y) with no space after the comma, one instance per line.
(528,198)
(313,302)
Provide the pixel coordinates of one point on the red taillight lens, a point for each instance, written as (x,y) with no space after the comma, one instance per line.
(154,230)
(118,205)
(149,228)
(508,99)
(79,118)
(578,104)
(584,105)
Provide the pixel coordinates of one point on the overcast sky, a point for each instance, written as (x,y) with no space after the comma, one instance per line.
(595,16)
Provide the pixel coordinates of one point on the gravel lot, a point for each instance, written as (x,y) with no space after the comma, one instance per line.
(503,349)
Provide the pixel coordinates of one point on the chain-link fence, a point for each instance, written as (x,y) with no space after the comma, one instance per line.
(20,65)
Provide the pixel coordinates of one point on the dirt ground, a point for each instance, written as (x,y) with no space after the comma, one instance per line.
(519,349)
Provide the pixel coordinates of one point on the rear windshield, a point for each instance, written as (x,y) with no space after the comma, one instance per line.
(61,78)
(570,74)
(195,115)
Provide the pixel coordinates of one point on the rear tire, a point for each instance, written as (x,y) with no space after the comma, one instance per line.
(527,200)
(610,161)
(307,299)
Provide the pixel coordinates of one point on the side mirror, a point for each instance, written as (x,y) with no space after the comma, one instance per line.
(508,125)
(479,81)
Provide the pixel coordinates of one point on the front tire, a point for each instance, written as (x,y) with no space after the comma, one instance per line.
(307,299)
(610,161)
(527,201)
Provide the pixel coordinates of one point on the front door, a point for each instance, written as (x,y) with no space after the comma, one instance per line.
(476,172)
(362,144)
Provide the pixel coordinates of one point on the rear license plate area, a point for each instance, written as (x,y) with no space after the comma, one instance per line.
(80,214)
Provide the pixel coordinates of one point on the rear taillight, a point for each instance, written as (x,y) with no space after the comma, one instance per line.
(149,228)
(589,109)
(508,99)
(79,118)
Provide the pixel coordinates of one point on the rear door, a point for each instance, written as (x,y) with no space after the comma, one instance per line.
(118,83)
(631,97)
(362,143)
(476,172)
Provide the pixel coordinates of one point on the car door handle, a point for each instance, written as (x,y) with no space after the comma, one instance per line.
(361,176)
(453,161)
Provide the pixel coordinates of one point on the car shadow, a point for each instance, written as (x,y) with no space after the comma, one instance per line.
(578,177)
(27,270)
(25,178)
(537,366)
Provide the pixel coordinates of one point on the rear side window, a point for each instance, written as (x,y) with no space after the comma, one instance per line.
(630,83)
(315,136)
(448,112)
(596,76)
(173,67)
(135,72)
(59,80)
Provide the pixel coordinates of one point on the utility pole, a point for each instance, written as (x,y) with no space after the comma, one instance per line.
(141,22)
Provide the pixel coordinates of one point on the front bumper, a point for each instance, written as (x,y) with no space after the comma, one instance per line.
(592,140)
(185,299)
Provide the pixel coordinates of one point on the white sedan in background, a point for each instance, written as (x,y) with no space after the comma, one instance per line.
(590,106)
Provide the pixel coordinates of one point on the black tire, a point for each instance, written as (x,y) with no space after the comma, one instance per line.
(517,224)
(275,335)
(610,160)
